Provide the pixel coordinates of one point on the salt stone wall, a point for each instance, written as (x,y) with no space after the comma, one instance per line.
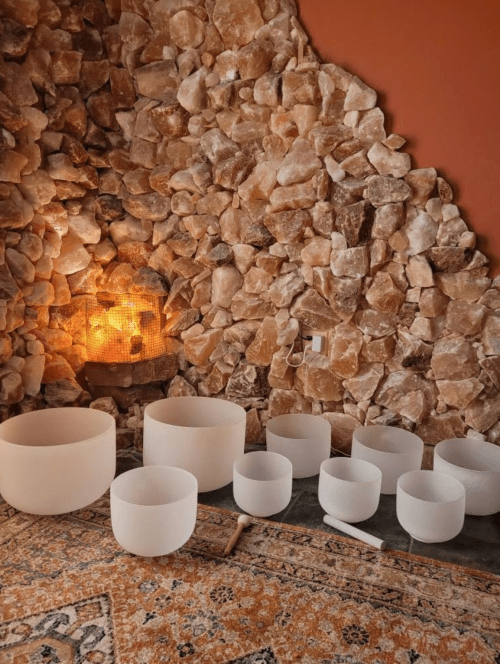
(198,149)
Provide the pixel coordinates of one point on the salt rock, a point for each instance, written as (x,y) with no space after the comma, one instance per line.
(287,331)
(38,189)
(31,246)
(491,336)
(226,282)
(129,228)
(17,86)
(31,374)
(33,155)
(261,350)
(231,172)
(422,181)
(312,310)
(384,295)
(237,24)
(257,280)
(217,146)
(304,116)
(62,293)
(232,224)
(56,368)
(345,345)
(382,190)
(259,184)
(411,352)
(11,115)
(11,166)
(42,294)
(450,232)
(135,253)
(407,394)
(450,259)
(421,233)
(285,288)
(491,366)
(459,393)
(282,402)
(11,390)
(454,359)
(483,412)
(243,257)
(462,285)
(198,349)
(248,381)
(343,426)
(248,307)
(375,323)
(323,218)
(353,262)
(20,266)
(65,67)
(254,59)
(419,272)
(179,387)
(181,320)
(357,165)
(427,329)
(137,182)
(186,30)
(53,340)
(465,318)
(491,298)
(151,207)
(62,392)
(191,94)
(355,222)
(122,88)
(220,255)
(293,197)
(317,380)
(281,375)
(436,428)
(371,127)
(326,139)
(157,80)
(287,226)
(359,96)
(379,350)
(343,293)
(432,302)
(316,252)
(389,162)
(248,130)
(363,385)
(72,257)
(300,164)
(299,87)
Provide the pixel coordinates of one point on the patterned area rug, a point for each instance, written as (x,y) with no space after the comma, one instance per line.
(70,594)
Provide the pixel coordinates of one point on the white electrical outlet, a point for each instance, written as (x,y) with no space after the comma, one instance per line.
(318,343)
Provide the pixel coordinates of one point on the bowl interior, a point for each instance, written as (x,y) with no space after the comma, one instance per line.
(351,470)
(154,485)
(195,412)
(430,487)
(470,454)
(263,466)
(387,440)
(298,426)
(56,426)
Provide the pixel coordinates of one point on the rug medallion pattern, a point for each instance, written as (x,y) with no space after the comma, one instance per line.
(70,595)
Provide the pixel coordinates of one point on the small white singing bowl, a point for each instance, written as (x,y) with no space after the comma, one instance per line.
(56,460)
(203,435)
(262,483)
(476,464)
(153,509)
(304,439)
(430,506)
(395,451)
(349,489)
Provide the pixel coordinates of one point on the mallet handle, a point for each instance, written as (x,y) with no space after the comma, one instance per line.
(354,532)
(234,538)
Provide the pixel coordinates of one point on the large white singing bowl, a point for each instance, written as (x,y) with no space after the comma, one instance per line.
(430,506)
(153,509)
(56,460)
(200,434)
(476,464)
(262,483)
(304,439)
(349,489)
(395,451)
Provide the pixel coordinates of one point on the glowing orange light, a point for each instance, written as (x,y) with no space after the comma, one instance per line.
(124,328)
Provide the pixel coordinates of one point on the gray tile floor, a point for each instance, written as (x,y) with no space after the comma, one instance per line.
(477,546)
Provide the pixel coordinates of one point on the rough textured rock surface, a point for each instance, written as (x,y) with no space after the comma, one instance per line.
(199,151)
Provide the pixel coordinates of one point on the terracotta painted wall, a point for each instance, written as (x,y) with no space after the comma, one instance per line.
(436,67)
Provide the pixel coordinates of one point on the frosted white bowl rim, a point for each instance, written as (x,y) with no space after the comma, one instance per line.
(407,438)
(285,469)
(152,408)
(445,449)
(146,470)
(371,467)
(431,475)
(38,413)
(274,425)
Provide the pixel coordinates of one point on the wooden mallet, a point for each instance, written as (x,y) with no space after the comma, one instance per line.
(243,521)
